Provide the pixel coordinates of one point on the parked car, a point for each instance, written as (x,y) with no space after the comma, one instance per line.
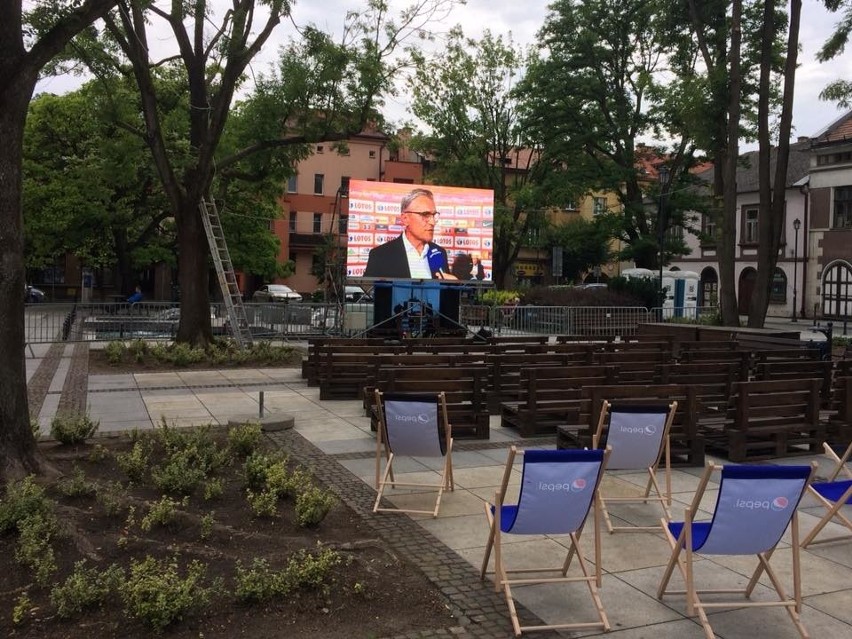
(33,294)
(276,293)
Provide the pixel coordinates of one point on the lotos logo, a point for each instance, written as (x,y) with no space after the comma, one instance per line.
(780,503)
(578,485)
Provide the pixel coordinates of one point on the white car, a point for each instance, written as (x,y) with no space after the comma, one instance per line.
(276,293)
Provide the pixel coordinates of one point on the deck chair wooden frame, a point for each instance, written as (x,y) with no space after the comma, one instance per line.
(833,494)
(637,457)
(754,507)
(425,432)
(552,500)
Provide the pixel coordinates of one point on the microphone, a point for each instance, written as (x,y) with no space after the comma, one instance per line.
(437,262)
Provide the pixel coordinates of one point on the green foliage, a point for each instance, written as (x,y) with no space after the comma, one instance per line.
(192,454)
(178,474)
(98,453)
(257,467)
(584,243)
(263,503)
(112,498)
(312,505)
(244,439)
(647,291)
(23,608)
(34,549)
(114,352)
(311,570)
(138,349)
(71,428)
(77,485)
(493,297)
(206,525)
(213,488)
(304,569)
(258,583)
(23,499)
(156,593)
(84,588)
(134,463)
(162,512)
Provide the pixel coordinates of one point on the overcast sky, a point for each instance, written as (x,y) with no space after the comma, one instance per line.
(523,18)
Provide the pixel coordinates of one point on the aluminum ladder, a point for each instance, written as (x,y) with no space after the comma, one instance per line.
(237,320)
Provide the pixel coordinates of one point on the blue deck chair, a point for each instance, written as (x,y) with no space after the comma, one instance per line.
(639,437)
(558,488)
(753,509)
(833,494)
(414,426)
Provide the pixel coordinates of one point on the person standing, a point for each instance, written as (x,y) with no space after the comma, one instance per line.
(412,255)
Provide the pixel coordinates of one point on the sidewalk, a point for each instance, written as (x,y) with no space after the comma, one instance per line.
(334,437)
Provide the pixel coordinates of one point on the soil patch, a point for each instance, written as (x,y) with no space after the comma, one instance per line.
(369,593)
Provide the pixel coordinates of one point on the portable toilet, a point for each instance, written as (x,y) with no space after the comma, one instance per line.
(690,293)
(669,279)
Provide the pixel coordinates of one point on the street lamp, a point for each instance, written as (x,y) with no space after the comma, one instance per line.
(663,173)
(797,224)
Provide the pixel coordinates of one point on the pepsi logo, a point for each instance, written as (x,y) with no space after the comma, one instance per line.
(780,503)
(578,485)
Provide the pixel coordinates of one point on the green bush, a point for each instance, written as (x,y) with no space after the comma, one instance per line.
(134,463)
(493,297)
(162,512)
(178,474)
(114,352)
(138,350)
(258,583)
(263,503)
(245,438)
(257,466)
(84,588)
(24,498)
(77,485)
(311,570)
(213,488)
(70,428)
(312,505)
(34,549)
(112,498)
(206,525)
(156,593)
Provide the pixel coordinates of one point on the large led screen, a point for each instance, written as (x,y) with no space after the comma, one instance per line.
(415,231)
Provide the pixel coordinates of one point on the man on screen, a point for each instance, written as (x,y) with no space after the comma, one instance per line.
(412,255)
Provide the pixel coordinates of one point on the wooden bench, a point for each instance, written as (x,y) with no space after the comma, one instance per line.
(506,370)
(687,442)
(551,396)
(465,390)
(771,369)
(768,419)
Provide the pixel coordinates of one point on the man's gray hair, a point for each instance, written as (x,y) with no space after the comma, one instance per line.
(413,195)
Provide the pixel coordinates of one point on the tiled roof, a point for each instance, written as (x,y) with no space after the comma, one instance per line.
(747,176)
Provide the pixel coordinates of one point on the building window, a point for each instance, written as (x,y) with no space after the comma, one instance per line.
(708,229)
(842,208)
(675,233)
(317,222)
(372,155)
(344,185)
(292,221)
(292,184)
(341,224)
(750,226)
(319,179)
(778,290)
(292,258)
(837,290)
(599,206)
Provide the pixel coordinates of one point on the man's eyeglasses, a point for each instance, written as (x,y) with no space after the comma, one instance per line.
(430,216)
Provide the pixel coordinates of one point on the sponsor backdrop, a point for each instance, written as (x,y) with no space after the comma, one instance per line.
(465,226)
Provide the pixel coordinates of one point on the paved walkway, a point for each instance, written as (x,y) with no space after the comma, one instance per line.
(334,438)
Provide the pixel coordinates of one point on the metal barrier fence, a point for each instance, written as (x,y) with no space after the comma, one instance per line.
(99,322)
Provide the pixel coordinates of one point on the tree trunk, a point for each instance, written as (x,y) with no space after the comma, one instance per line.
(773,193)
(194,277)
(726,250)
(17,445)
